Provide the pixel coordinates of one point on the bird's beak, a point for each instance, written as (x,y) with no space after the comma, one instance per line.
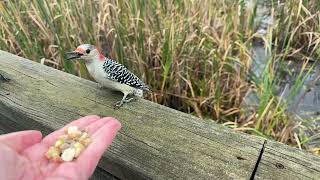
(74,55)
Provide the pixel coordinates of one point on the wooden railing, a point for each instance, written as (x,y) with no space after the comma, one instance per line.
(155,142)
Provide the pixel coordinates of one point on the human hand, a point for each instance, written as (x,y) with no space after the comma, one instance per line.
(22,154)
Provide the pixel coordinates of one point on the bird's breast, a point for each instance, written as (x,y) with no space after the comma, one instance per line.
(95,69)
(101,76)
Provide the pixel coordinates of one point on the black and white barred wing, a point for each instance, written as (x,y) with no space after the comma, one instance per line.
(118,72)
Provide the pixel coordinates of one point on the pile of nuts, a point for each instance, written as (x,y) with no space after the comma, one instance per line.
(69,146)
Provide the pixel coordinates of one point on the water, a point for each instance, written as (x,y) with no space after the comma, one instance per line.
(304,106)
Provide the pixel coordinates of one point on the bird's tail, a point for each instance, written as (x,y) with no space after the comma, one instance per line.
(140,92)
(146,89)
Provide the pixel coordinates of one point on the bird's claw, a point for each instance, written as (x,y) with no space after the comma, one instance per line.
(100,86)
(129,100)
(117,105)
(4,78)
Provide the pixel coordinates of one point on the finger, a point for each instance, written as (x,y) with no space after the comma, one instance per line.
(20,141)
(81,123)
(91,128)
(38,152)
(101,140)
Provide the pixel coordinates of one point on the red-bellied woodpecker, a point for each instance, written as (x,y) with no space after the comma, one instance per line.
(110,74)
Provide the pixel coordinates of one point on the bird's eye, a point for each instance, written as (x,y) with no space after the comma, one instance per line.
(88,51)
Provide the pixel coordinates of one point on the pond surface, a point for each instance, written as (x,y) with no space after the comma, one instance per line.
(304,104)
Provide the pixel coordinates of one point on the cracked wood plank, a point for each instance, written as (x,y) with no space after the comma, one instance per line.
(280,161)
(155,142)
(253,174)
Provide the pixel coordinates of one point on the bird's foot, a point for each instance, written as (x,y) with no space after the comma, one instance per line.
(129,100)
(100,86)
(4,78)
(118,104)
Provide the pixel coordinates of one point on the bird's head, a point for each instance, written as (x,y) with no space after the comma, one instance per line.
(86,52)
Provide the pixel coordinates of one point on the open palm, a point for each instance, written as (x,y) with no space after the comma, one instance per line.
(22,154)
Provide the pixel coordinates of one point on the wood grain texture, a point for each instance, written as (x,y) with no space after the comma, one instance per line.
(155,142)
(101,174)
(280,161)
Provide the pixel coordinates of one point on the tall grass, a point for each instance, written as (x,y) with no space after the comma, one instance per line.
(195,56)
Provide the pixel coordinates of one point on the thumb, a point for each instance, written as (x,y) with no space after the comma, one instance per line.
(19,141)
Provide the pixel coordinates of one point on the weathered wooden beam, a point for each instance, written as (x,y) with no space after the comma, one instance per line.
(155,142)
(283,162)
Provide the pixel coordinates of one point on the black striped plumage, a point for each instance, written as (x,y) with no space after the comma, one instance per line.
(118,72)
